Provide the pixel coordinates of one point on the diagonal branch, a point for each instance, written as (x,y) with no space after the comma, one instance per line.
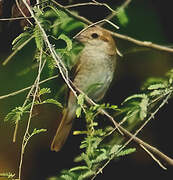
(133,136)
(114,13)
(95,3)
(117,35)
(14,19)
(25,137)
(27,88)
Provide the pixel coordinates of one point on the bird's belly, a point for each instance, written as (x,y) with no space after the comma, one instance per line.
(94,83)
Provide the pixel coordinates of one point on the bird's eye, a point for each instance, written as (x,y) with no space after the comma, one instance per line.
(94,35)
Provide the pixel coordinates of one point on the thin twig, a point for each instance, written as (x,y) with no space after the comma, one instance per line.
(146,122)
(123,6)
(104,4)
(142,43)
(102,111)
(117,35)
(27,88)
(25,102)
(14,19)
(57,59)
(154,158)
(143,145)
(24,142)
(139,142)
(80,18)
(94,24)
(80,4)
(17,50)
(95,3)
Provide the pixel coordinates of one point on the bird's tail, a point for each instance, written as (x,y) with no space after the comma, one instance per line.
(63,130)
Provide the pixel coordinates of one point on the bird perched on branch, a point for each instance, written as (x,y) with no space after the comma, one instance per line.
(95,68)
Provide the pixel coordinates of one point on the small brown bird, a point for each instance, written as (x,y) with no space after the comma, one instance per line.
(93,75)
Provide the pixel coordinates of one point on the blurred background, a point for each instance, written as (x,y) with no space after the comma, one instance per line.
(148,20)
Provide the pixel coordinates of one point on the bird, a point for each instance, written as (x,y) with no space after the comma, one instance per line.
(93,75)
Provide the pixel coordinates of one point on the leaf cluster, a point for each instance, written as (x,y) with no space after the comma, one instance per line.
(138,107)
(16,114)
(96,152)
(60,29)
(154,91)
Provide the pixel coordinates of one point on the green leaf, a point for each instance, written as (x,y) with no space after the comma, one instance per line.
(126,152)
(83,144)
(7,175)
(153,81)
(114,149)
(135,96)
(131,115)
(27,107)
(86,175)
(67,40)
(86,159)
(122,17)
(38,131)
(38,37)
(78,159)
(79,168)
(21,39)
(156,92)
(100,158)
(44,91)
(143,108)
(67,177)
(15,115)
(96,141)
(80,99)
(52,101)
(115,107)
(157,86)
(78,112)
(169,74)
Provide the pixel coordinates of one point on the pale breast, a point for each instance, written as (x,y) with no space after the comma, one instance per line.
(95,73)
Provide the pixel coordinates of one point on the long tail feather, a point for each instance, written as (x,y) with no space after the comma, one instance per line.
(62,131)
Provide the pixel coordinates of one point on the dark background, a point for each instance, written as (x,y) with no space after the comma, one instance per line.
(149,20)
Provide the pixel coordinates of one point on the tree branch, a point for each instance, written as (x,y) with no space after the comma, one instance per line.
(123,6)
(25,139)
(14,19)
(27,88)
(142,43)
(117,35)
(133,136)
(153,157)
(95,3)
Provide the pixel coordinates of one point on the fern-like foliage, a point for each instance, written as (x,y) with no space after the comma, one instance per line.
(97,149)
(16,114)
